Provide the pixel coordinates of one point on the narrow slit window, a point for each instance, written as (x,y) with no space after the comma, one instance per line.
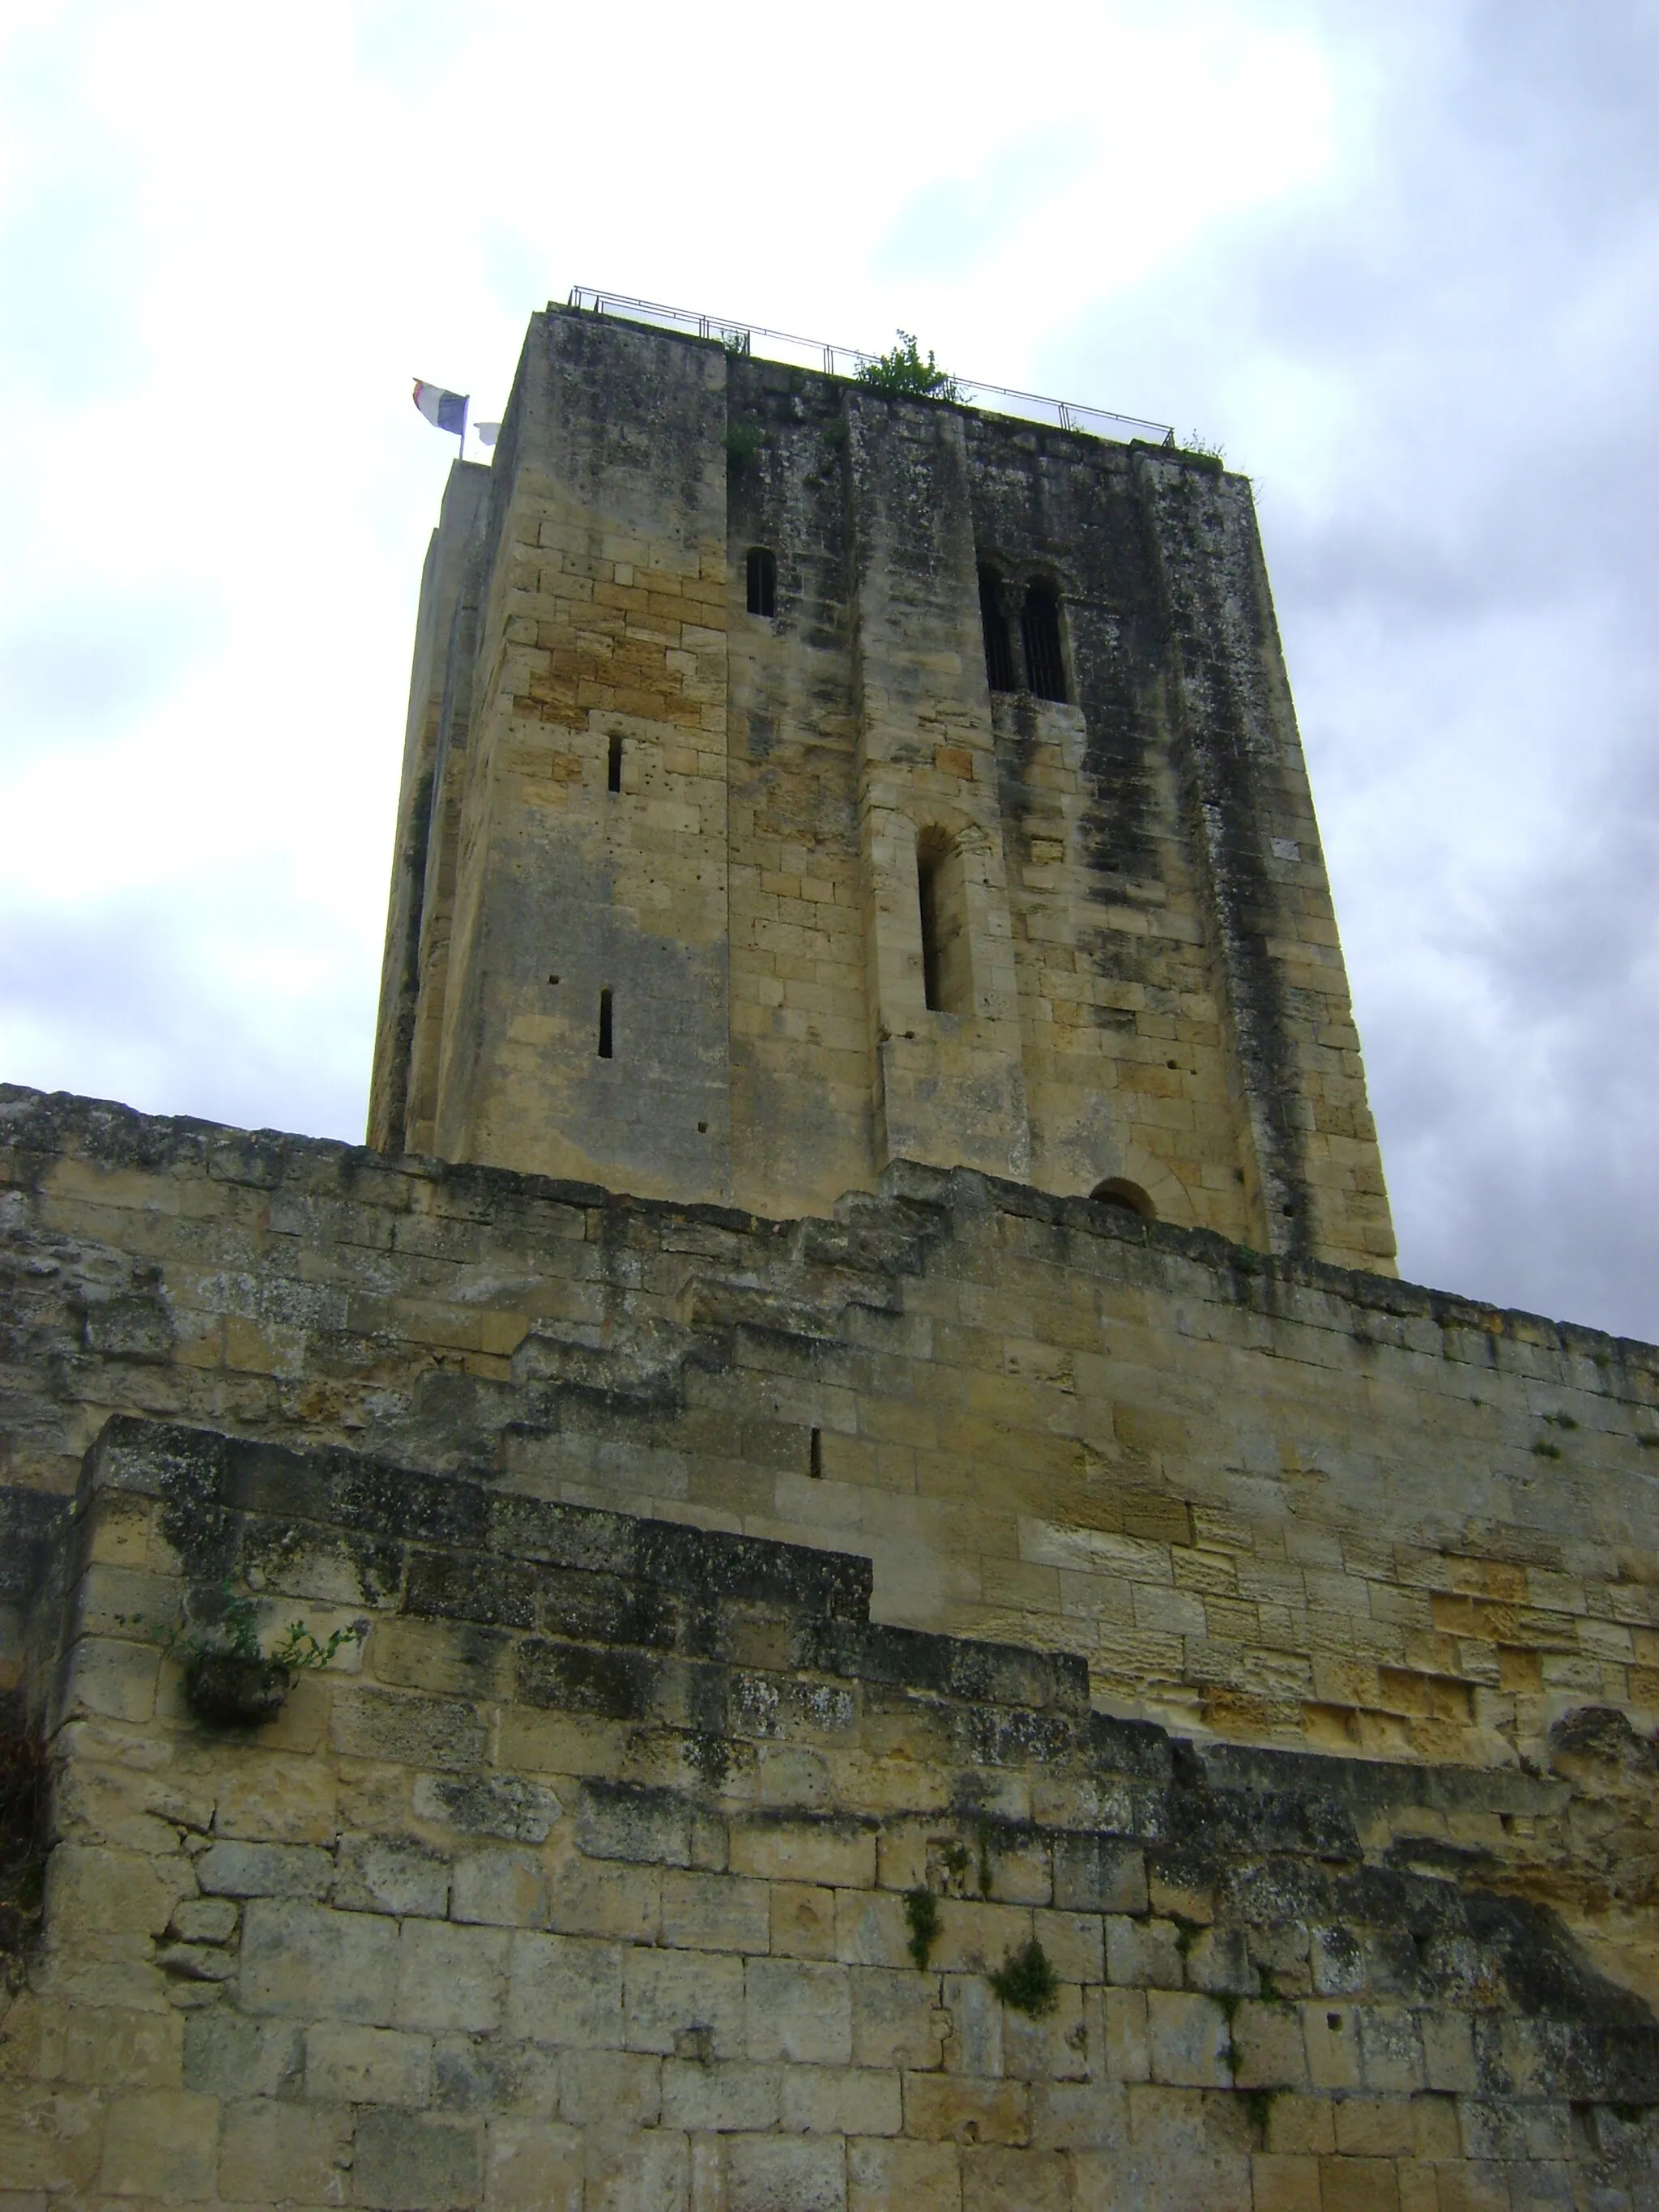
(815,1456)
(941,895)
(605,1025)
(613,766)
(999,653)
(763,582)
(1039,625)
(928,874)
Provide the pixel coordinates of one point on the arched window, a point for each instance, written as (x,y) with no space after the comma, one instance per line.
(1039,630)
(998,654)
(763,579)
(1117,1190)
(947,981)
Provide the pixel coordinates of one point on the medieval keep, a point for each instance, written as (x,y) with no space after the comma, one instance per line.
(835,1574)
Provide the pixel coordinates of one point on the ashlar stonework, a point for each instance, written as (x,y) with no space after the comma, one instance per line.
(914,1617)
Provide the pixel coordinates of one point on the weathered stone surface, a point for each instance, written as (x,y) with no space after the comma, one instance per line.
(622,1974)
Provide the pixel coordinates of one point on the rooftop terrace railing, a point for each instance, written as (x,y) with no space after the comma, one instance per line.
(847,360)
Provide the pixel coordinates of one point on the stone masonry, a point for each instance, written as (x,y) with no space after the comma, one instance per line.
(590,1882)
(619,780)
(911,1618)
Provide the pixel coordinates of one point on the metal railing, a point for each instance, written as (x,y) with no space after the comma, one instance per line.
(847,360)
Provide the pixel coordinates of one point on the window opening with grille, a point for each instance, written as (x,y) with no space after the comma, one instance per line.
(1039,627)
(762,580)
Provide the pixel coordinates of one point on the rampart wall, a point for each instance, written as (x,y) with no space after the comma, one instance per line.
(623,1866)
(1283,1503)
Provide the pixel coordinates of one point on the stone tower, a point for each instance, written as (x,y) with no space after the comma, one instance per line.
(800,778)
(517,1692)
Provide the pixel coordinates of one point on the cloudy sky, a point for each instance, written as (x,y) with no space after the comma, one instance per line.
(1398,257)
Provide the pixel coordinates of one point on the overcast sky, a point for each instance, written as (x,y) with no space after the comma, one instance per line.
(1398,257)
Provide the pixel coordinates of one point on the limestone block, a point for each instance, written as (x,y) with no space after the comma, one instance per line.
(1330,2035)
(1360,2184)
(410,2162)
(996,2179)
(161,2143)
(802,1920)
(416,1731)
(1268,2041)
(716,1912)
(603,1897)
(1301,2126)
(264,1870)
(725,2099)
(976,2015)
(1391,2056)
(897,2019)
(49,2138)
(871,1928)
(1285,2183)
(110,2046)
(1051,2047)
(227,2055)
(611,2088)
(270,2151)
(798,2011)
(1129,2055)
(277,1799)
(304,1961)
(113,1680)
(346,2064)
(503,1889)
(205,1919)
(840,1854)
(949,2108)
(920,2177)
(1448,2053)
(778,2173)
(379,1874)
(485,2073)
(676,2002)
(94,1892)
(647,2172)
(532,2165)
(841,2100)
(973,1935)
(1074,1943)
(1189,2040)
(511,1806)
(1143,1953)
(566,1989)
(451,1977)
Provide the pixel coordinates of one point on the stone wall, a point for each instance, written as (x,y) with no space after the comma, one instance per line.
(617,777)
(626,1866)
(1279,1502)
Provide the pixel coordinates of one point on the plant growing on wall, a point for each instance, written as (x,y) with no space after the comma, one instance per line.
(228,1677)
(922,1914)
(901,368)
(1025,1981)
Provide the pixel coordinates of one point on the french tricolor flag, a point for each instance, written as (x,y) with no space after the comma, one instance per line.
(445,411)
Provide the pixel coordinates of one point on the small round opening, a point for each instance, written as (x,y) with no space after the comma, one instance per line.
(1118,1191)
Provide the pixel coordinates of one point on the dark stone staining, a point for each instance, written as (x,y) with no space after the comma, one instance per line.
(612,1685)
(448,1586)
(628,1820)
